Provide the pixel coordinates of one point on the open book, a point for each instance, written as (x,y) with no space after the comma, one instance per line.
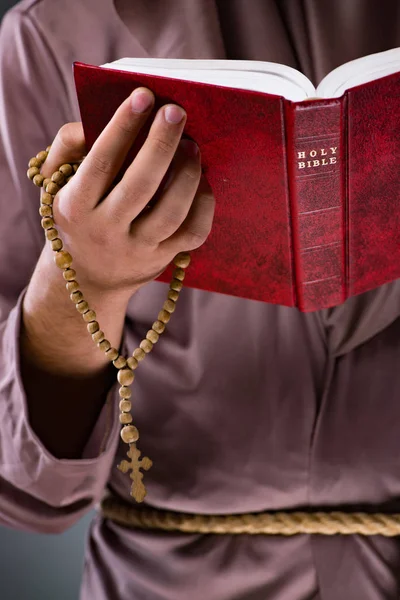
(308,192)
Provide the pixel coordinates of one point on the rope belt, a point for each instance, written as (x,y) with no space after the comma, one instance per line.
(266,523)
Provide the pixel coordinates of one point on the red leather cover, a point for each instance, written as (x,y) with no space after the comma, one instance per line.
(374,184)
(241,138)
(270,241)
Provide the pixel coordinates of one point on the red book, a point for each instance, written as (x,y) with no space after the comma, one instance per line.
(307,190)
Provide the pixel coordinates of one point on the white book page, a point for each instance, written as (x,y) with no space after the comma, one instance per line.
(267,77)
(271,78)
(356,72)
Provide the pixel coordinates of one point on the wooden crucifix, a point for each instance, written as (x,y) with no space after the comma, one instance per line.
(138,490)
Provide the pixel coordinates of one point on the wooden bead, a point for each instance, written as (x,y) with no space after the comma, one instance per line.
(75,167)
(153,336)
(51,235)
(82,307)
(56,244)
(179,274)
(76,297)
(125,376)
(120,362)
(169,306)
(35,162)
(132,363)
(38,180)
(182,260)
(164,316)
(176,285)
(98,336)
(125,392)
(32,172)
(52,188)
(146,345)
(69,274)
(125,418)
(129,434)
(58,178)
(93,327)
(112,354)
(139,354)
(104,345)
(90,315)
(48,149)
(47,223)
(45,210)
(159,327)
(173,295)
(72,286)
(66,170)
(125,405)
(63,259)
(46,198)
(46,183)
(42,156)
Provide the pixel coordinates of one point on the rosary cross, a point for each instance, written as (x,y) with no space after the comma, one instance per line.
(138,490)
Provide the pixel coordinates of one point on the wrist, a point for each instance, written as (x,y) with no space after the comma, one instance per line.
(46,267)
(55,335)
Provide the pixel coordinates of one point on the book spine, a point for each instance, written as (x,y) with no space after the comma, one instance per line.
(315,132)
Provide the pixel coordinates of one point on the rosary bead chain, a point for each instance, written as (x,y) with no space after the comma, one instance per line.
(125,366)
(125,406)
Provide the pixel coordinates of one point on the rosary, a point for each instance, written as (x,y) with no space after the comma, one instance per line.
(125,366)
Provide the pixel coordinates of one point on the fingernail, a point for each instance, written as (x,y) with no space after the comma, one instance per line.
(189,147)
(141,100)
(174,114)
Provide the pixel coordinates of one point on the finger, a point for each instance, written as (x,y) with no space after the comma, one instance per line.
(144,175)
(197,226)
(109,151)
(68,147)
(173,206)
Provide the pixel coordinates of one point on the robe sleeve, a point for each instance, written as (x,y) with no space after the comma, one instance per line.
(37,491)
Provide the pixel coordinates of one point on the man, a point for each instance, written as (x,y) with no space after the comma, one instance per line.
(243,407)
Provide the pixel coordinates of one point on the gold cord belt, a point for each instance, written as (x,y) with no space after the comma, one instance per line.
(266,523)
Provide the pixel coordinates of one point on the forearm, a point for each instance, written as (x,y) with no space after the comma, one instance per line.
(66,377)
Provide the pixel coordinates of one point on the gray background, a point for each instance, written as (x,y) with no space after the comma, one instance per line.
(41,567)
